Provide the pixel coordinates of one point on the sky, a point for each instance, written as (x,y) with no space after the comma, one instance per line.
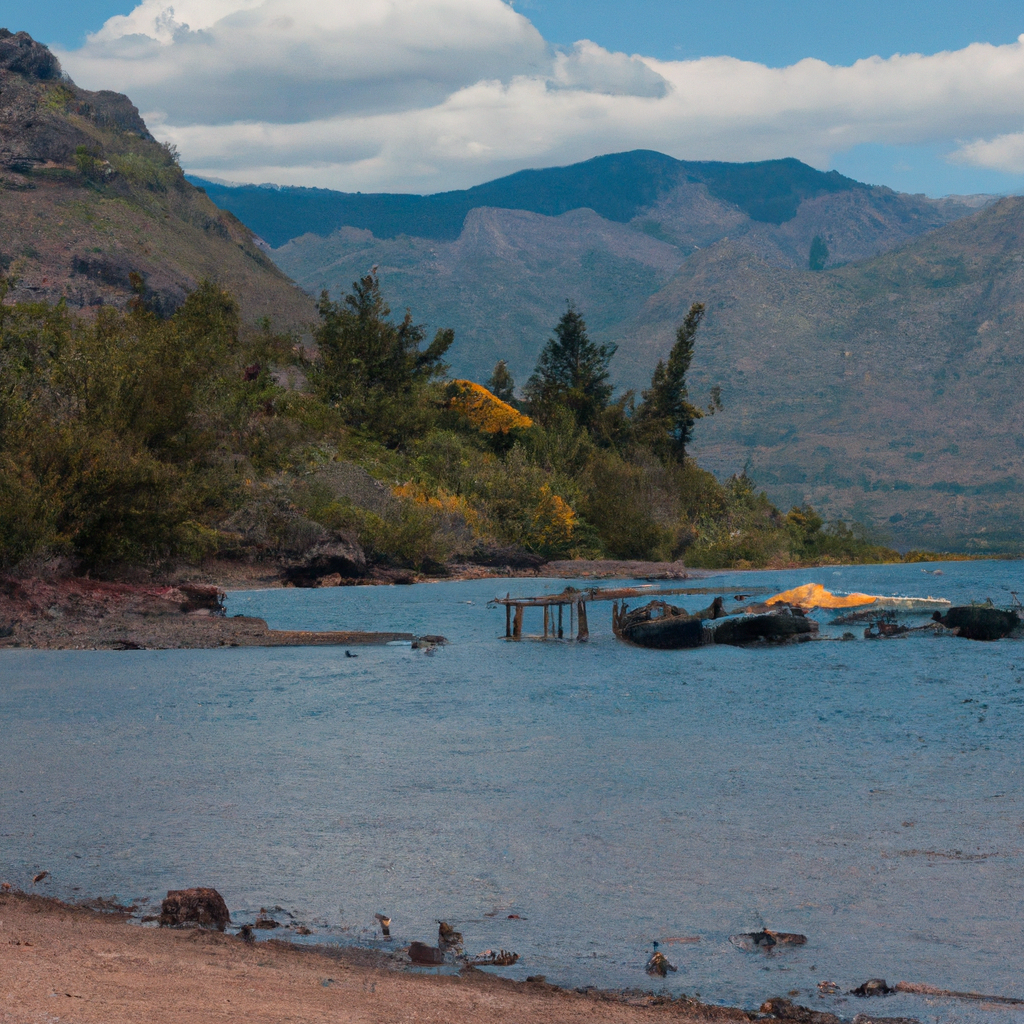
(428,95)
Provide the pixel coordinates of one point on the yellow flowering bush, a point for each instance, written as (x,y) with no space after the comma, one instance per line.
(553,522)
(483,410)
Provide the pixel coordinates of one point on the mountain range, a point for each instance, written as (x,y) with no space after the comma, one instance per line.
(865,341)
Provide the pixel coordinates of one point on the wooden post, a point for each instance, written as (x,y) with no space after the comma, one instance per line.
(546,618)
(559,622)
(508,620)
(517,623)
(584,631)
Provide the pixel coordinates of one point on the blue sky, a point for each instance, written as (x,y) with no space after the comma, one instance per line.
(909,152)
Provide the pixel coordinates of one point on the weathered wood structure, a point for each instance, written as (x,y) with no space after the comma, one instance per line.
(576,602)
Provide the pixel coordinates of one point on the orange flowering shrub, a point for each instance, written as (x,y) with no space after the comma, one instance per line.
(553,522)
(441,502)
(485,411)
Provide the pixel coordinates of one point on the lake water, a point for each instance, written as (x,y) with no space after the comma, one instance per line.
(866,794)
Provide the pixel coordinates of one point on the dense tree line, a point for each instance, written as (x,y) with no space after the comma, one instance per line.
(133,437)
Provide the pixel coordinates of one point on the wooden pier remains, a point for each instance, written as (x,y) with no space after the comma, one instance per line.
(576,602)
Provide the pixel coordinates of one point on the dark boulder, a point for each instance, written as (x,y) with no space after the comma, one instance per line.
(200,906)
(872,987)
(979,621)
(338,556)
(421,953)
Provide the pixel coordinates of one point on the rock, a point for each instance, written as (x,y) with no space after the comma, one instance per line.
(265,921)
(339,556)
(828,988)
(448,937)
(658,964)
(385,922)
(786,1009)
(421,953)
(20,53)
(490,958)
(750,942)
(246,935)
(200,906)
(872,987)
(40,876)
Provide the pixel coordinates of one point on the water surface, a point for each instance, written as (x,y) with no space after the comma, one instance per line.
(867,794)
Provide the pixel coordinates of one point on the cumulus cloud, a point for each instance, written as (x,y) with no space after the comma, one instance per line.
(425,95)
(1003,153)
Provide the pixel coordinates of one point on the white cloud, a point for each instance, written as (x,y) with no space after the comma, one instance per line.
(424,95)
(1003,153)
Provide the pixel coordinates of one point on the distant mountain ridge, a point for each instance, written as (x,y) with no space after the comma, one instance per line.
(617,187)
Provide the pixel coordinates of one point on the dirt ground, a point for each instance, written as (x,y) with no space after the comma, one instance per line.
(61,963)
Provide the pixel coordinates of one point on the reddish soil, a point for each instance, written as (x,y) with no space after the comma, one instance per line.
(71,964)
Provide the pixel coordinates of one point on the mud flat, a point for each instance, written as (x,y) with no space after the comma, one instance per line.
(75,964)
(74,613)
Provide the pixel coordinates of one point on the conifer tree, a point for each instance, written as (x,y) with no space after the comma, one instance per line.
(571,372)
(665,415)
(502,385)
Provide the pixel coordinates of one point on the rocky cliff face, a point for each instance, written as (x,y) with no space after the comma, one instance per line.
(88,198)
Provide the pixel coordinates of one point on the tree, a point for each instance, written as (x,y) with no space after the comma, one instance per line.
(362,350)
(373,368)
(571,372)
(665,415)
(502,385)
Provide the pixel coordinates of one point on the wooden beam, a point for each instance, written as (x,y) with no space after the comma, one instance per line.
(560,622)
(517,623)
(584,632)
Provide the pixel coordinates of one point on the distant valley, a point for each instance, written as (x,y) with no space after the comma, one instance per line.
(880,386)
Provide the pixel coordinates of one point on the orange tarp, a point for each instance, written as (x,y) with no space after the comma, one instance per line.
(814,595)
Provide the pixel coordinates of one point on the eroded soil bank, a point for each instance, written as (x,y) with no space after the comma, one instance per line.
(73,964)
(57,611)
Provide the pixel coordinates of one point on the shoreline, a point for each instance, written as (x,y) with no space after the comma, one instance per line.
(89,965)
(186,610)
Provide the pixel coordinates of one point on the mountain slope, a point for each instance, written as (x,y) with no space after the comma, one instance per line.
(88,197)
(503,282)
(888,390)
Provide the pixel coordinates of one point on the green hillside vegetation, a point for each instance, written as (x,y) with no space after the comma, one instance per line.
(141,438)
(617,187)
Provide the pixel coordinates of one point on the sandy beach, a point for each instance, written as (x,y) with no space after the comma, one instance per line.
(59,962)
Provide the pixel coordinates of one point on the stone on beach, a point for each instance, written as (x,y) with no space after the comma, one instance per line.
(786,1009)
(201,906)
(421,953)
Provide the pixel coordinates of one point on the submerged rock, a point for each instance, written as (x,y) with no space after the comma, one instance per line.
(448,937)
(750,942)
(201,906)
(872,987)
(658,964)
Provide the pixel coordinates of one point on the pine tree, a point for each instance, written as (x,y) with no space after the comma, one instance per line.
(665,415)
(571,372)
(502,385)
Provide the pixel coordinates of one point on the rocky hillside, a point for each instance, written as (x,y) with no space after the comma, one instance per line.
(887,390)
(88,198)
